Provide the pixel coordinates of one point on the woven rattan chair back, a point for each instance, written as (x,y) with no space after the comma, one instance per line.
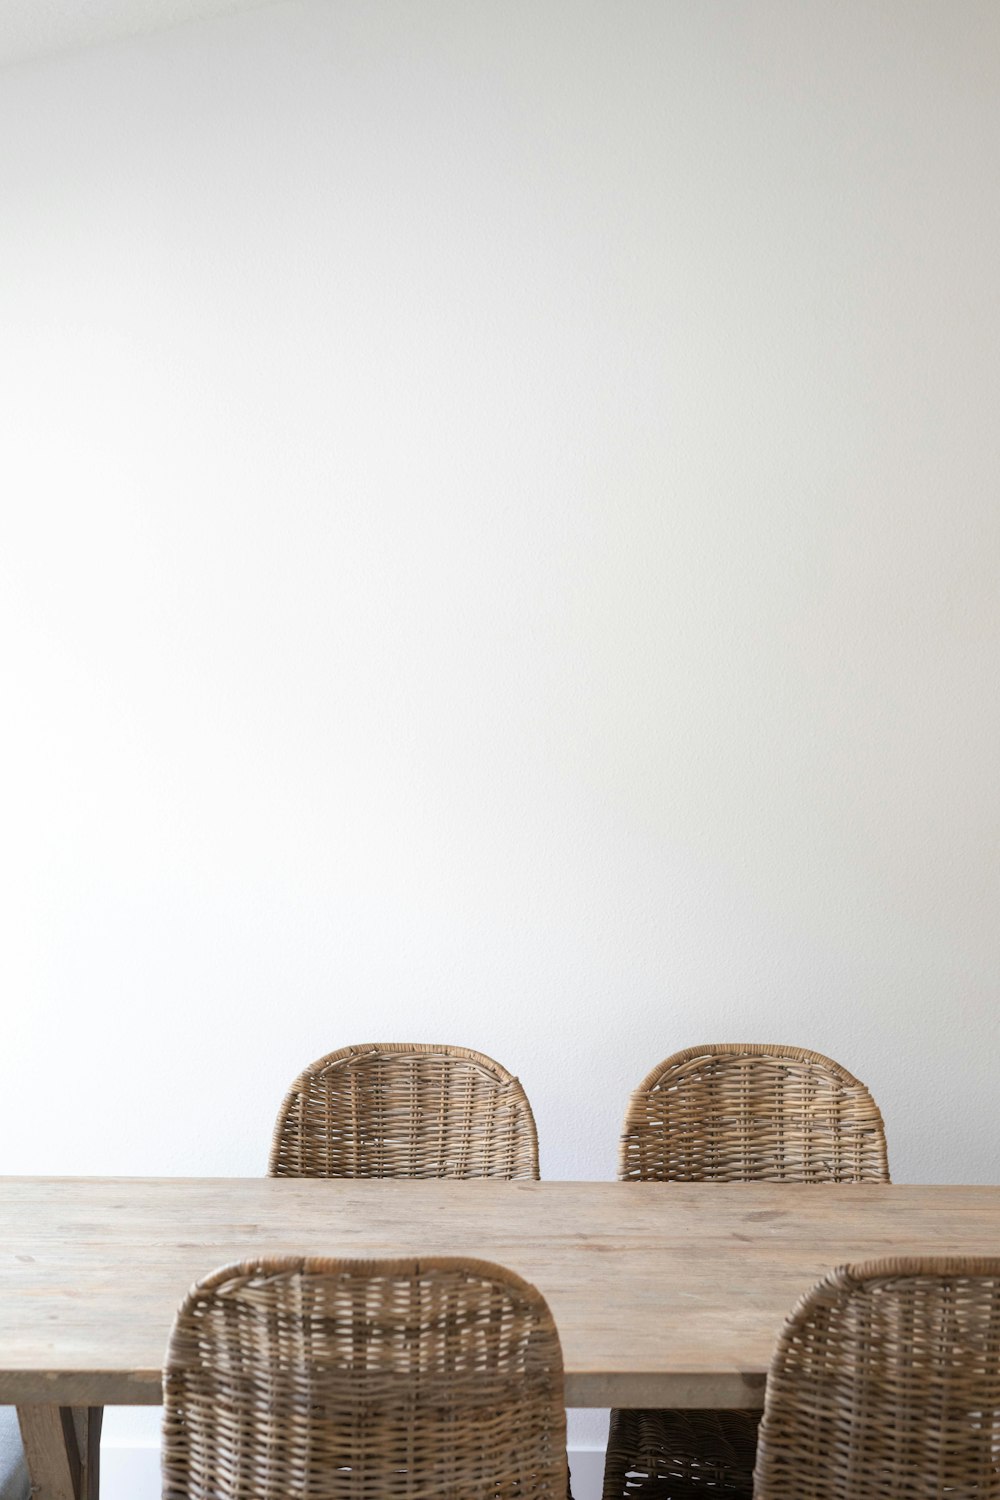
(886,1381)
(357,1380)
(405,1110)
(752,1112)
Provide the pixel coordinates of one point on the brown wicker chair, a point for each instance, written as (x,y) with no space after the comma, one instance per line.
(405,1110)
(731,1113)
(886,1381)
(356,1380)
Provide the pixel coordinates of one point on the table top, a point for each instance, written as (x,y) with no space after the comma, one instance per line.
(665,1294)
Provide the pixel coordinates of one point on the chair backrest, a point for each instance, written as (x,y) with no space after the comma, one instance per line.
(886,1381)
(405,1110)
(355,1380)
(752,1112)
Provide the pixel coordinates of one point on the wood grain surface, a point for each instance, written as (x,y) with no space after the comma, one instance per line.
(665,1294)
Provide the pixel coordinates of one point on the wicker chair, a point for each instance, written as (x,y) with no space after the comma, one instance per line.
(405,1110)
(355,1380)
(886,1381)
(731,1113)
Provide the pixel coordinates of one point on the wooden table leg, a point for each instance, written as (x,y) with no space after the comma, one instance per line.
(62,1446)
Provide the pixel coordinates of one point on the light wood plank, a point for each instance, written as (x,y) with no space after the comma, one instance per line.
(665,1294)
(62,1447)
(50,1450)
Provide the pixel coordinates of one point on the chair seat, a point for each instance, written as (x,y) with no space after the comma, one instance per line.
(680,1455)
(14,1483)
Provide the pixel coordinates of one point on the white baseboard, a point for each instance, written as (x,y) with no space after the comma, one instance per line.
(586,1473)
(131,1471)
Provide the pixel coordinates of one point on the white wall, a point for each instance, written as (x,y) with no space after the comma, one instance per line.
(499,544)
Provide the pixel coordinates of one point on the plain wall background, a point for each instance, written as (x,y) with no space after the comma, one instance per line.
(499,544)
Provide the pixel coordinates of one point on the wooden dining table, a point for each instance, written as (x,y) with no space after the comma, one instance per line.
(665,1294)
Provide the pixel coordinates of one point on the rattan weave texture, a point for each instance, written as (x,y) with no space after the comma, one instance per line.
(661,1455)
(405,1110)
(752,1113)
(886,1381)
(731,1112)
(358,1380)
